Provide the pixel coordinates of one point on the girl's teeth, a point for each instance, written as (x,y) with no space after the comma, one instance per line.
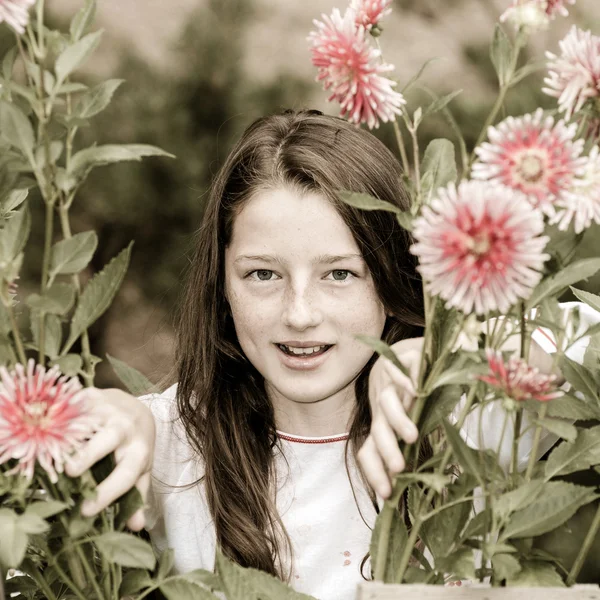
(302,351)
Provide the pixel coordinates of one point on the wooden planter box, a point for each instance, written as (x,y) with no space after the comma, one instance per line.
(380,591)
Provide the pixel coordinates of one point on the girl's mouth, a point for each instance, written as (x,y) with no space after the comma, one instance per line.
(303,358)
(304,352)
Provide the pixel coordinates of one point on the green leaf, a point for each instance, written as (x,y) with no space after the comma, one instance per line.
(431,480)
(137,383)
(405,220)
(384,350)
(517,499)
(53,335)
(367,202)
(590,299)
(559,427)
(181,588)
(16,128)
(8,63)
(441,531)
(165,564)
(14,234)
(553,285)
(82,20)
(250,584)
(98,294)
(74,55)
(581,378)
(126,550)
(571,407)
(46,509)
(419,73)
(69,364)
(441,103)
(85,160)
(439,166)
(460,563)
(461,376)
(41,157)
(577,456)
(128,504)
(468,458)
(558,502)
(96,100)
(204,577)
(505,566)
(72,255)
(32,524)
(134,581)
(536,574)
(13,541)
(58,300)
(13,200)
(501,54)
(398,537)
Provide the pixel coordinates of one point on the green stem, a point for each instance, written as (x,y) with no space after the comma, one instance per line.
(401,147)
(504,87)
(16,334)
(40,25)
(417,162)
(587,544)
(68,581)
(86,353)
(91,574)
(515,443)
(43,584)
(537,436)
(45,269)
(414,534)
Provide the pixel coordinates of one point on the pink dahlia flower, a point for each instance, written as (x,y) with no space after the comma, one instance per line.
(43,417)
(479,246)
(16,13)
(350,68)
(532,155)
(519,381)
(574,76)
(370,12)
(582,206)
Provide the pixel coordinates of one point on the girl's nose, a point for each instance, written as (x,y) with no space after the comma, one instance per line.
(300,311)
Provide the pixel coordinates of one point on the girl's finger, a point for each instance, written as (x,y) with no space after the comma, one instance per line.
(124,476)
(102,443)
(396,416)
(386,443)
(398,377)
(374,469)
(137,521)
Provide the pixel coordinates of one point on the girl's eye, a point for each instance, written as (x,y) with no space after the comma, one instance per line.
(341,274)
(260,275)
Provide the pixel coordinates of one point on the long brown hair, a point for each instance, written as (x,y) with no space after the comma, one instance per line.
(221,397)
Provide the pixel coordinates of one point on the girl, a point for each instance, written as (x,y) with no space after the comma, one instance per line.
(257,442)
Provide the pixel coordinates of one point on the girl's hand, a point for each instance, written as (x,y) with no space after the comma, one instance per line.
(127,429)
(391,396)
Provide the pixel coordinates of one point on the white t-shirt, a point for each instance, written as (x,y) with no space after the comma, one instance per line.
(330,536)
(314,500)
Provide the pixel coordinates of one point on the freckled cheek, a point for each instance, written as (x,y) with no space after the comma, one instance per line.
(253,316)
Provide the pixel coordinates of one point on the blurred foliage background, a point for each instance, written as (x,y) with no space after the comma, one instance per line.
(196,73)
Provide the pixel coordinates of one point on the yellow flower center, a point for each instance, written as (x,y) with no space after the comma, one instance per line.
(531,168)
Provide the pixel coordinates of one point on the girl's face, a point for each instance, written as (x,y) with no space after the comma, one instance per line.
(296,283)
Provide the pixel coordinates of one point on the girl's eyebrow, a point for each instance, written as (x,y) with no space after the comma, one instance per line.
(321,259)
